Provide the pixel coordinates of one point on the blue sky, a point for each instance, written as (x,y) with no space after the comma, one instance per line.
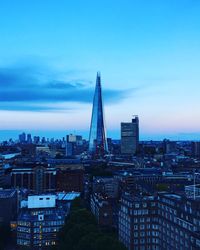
(147,52)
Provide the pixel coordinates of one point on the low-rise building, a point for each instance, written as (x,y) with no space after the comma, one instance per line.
(105,210)
(39,222)
(36,177)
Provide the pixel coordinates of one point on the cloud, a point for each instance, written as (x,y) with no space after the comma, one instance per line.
(22,85)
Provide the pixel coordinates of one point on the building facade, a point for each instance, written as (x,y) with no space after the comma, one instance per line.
(70,180)
(105,210)
(163,222)
(36,178)
(196,149)
(130,136)
(39,222)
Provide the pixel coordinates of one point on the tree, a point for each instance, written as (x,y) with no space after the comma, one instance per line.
(81,232)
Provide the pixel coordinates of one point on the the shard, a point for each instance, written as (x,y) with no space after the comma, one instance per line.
(97,140)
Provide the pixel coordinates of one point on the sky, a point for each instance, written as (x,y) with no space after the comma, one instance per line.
(146,50)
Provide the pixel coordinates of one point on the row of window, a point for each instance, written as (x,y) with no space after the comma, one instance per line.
(46,229)
(49,223)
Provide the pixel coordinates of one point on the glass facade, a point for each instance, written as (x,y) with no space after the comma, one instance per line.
(97,139)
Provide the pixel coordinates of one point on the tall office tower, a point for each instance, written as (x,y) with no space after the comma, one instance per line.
(97,140)
(22,138)
(130,136)
(29,138)
(196,149)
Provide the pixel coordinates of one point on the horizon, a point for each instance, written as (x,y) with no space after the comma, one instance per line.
(5,135)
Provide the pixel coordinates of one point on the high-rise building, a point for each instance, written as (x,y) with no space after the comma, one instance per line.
(29,138)
(130,136)
(97,139)
(196,149)
(22,138)
(36,139)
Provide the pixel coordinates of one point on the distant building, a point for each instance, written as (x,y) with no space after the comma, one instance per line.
(169,146)
(29,139)
(130,136)
(22,138)
(74,145)
(36,139)
(2,176)
(75,138)
(97,139)
(69,148)
(42,149)
(196,149)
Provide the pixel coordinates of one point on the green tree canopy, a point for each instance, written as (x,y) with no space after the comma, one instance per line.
(81,232)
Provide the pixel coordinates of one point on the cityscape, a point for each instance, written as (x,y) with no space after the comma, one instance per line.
(99,125)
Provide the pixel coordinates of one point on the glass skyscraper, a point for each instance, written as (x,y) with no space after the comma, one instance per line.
(97,140)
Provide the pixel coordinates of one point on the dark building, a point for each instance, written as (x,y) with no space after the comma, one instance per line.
(130,136)
(169,146)
(166,221)
(36,139)
(196,149)
(107,186)
(105,210)
(97,139)
(22,138)
(70,180)
(28,150)
(29,139)
(8,206)
(69,149)
(35,177)
(2,176)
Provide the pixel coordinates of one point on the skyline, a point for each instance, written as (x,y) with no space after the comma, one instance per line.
(148,55)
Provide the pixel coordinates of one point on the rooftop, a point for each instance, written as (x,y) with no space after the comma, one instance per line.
(7,193)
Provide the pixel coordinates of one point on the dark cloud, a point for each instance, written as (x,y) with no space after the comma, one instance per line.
(27,84)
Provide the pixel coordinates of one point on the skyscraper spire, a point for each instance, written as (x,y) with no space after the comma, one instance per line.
(97,139)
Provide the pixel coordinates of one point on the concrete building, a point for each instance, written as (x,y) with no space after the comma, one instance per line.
(163,222)
(70,180)
(138,222)
(107,186)
(196,149)
(130,136)
(105,210)
(36,177)
(39,221)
